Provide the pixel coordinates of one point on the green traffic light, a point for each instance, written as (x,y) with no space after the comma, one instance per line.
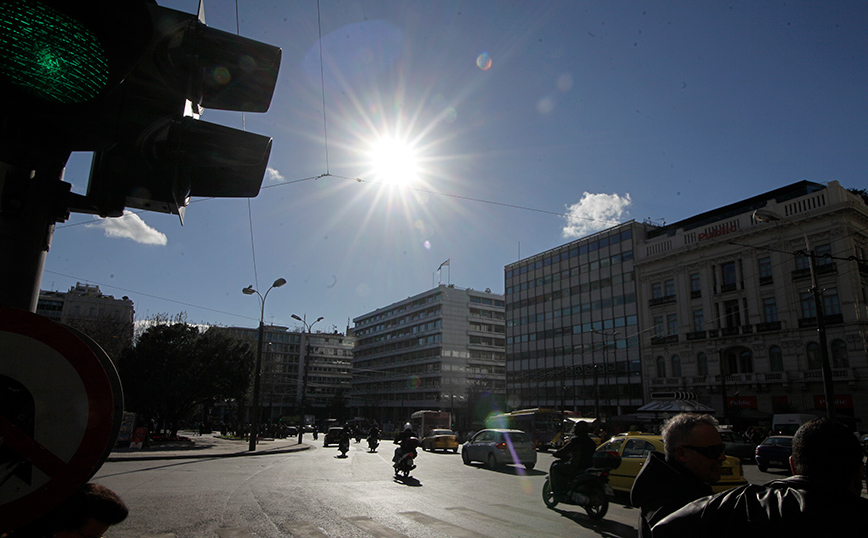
(50,54)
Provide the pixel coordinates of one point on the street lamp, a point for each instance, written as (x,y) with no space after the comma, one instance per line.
(257,374)
(305,367)
(767,215)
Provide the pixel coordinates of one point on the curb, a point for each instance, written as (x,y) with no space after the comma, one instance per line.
(206,454)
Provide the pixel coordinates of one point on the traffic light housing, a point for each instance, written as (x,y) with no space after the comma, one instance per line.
(128,81)
(164,154)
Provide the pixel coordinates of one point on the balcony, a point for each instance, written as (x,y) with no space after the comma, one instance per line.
(822,269)
(831,319)
(696,335)
(726,288)
(768,326)
(660,340)
(661,300)
(729,331)
(766,280)
(695,294)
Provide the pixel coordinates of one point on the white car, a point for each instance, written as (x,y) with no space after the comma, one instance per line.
(496,448)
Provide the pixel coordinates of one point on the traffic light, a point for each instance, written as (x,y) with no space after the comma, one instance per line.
(164,153)
(128,81)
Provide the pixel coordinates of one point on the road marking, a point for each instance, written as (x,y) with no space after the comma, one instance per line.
(374,528)
(439,525)
(229,532)
(305,530)
(482,516)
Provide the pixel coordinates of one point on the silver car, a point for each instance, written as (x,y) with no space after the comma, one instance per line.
(500,447)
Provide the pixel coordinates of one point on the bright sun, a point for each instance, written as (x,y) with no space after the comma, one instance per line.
(394,162)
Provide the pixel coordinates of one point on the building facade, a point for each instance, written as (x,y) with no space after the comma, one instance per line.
(572,327)
(727,302)
(107,320)
(442,349)
(296,365)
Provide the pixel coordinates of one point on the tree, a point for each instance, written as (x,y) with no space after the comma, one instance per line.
(175,368)
(860,192)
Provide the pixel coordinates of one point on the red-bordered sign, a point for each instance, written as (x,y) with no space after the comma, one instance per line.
(57,414)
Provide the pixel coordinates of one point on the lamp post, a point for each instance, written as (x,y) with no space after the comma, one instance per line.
(305,367)
(257,374)
(767,215)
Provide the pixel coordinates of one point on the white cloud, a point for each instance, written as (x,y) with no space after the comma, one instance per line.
(130,226)
(272,174)
(595,212)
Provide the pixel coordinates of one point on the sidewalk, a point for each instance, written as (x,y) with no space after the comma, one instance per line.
(209,446)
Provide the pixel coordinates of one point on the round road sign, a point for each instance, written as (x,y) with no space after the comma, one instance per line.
(58,407)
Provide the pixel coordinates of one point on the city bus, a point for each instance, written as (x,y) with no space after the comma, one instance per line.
(545,426)
(423,422)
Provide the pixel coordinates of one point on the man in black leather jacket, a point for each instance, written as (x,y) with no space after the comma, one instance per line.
(694,453)
(578,453)
(822,497)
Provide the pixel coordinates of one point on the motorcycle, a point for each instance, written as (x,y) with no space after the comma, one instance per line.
(590,489)
(344,447)
(406,461)
(373,443)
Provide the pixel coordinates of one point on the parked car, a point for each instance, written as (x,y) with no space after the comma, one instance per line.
(440,440)
(737,446)
(500,447)
(333,436)
(774,452)
(634,449)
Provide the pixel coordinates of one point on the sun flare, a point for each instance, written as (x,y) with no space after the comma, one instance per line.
(394,162)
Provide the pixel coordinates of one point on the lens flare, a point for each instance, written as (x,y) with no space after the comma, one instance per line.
(483,61)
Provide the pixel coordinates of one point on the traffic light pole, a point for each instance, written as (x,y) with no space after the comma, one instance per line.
(31,202)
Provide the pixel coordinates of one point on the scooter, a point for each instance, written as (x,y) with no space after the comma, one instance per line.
(373,443)
(344,447)
(406,461)
(588,490)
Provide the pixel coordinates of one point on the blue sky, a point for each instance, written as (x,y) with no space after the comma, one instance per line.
(529,124)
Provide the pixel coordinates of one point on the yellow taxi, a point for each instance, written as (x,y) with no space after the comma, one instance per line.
(440,440)
(634,449)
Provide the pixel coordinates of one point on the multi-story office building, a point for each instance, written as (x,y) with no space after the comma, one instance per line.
(289,354)
(442,349)
(572,331)
(107,320)
(728,305)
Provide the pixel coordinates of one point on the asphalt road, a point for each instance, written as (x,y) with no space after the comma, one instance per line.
(314,494)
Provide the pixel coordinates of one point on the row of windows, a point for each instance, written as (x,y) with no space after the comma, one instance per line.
(432,311)
(732,313)
(741,361)
(576,310)
(583,328)
(401,332)
(398,309)
(361,365)
(486,301)
(590,246)
(610,261)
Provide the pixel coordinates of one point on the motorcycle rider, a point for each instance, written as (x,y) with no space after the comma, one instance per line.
(574,458)
(373,437)
(401,437)
(344,441)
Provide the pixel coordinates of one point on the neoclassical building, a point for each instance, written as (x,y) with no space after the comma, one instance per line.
(728,311)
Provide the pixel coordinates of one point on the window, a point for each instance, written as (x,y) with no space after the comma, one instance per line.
(831,305)
(701,363)
(745,362)
(669,288)
(765,270)
(731,314)
(698,320)
(812,351)
(676,365)
(809,309)
(770,310)
(661,367)
(695,283)
(776,359)
(671,324)
(823,255)
(658,326)
(656,290)
(729,275)
(839,354)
